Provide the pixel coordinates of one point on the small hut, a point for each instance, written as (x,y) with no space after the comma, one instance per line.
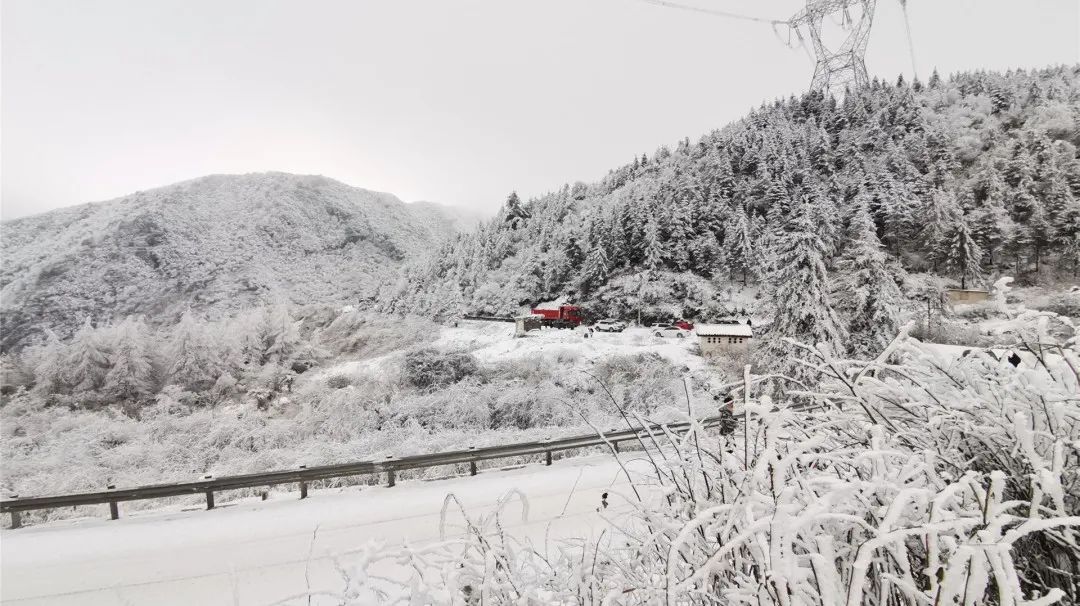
(966,296)
(724,339)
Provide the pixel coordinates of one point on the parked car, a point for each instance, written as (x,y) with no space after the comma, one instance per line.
(610,325)
(683,324)
(668,330)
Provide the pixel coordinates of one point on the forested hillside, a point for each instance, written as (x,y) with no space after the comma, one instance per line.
(823,205)
(219,245)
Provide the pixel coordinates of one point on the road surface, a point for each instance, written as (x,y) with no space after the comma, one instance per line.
(257,552)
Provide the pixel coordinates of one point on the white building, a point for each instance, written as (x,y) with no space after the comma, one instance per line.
(724,339)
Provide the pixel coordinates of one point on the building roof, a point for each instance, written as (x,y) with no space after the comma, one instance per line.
(724,330)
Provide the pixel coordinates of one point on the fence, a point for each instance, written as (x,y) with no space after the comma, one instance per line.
(303,476)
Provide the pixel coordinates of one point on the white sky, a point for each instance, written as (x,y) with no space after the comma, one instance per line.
(453,101)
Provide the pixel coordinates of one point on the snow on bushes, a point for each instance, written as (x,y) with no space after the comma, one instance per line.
(180,435)
(431,369)
(909,479)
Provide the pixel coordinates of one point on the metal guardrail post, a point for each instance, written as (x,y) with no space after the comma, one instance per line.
(472,464)
(209,494)
(303,485)
(547,457)
(615,444)
(390,479)
(16,517)
(114,508)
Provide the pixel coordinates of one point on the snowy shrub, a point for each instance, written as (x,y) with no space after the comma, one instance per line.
(338,381)
(1065,304)
(431,369)
(729,365)
(368,334)
(983,310)
(909,479)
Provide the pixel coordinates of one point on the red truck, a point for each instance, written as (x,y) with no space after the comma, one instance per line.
(566,316)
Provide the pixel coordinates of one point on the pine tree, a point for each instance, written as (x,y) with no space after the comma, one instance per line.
(278,335)
(739,244)
(1064,209)
(1071,253)
(191,360)
(799,294)
(962,255)
(515,215)
(132,373)
(677,246)
(939,217)
(573,253)
(868,292)
(595,271)
(87,360)
(654,250)
(1038,233)
(49,363)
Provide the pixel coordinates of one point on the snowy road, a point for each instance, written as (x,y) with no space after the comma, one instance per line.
(258,552)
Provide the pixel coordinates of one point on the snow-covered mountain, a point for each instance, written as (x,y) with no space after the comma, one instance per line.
(216,244)
(966,178)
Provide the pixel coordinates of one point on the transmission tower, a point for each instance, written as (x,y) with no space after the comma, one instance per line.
(845,67)
(835,70)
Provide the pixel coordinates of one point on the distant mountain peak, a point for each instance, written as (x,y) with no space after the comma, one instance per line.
(217,243)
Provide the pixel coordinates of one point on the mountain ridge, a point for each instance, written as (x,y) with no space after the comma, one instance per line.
(216,243)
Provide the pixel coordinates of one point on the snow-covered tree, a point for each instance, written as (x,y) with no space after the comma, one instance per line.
(278,335)
(595,270)
(49,364)
(867,292)
(515,214)
(962,255)
(191,358)
(131,374)
(654,250)
(87,360)
(739,244)
(799,293)
(939,217)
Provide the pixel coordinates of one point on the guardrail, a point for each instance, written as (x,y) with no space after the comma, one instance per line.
(489,318)
(305,475)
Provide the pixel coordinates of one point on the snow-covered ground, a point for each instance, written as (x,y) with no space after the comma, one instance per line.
(261,552)
(495,342)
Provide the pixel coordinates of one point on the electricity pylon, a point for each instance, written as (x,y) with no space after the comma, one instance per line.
(845,67)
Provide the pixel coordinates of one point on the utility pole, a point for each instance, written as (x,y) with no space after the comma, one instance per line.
(640,302)
(928,316)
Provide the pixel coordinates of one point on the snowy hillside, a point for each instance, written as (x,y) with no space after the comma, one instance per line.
(218,244)
(963,178)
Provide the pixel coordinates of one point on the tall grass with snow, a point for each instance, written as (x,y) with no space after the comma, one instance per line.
(910,479)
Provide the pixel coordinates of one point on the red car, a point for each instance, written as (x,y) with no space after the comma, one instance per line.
(683,324)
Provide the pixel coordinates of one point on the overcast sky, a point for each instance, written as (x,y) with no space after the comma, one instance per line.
(452,101)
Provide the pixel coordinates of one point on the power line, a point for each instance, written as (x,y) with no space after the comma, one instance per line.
(910,43)
(836,69)
(718,13)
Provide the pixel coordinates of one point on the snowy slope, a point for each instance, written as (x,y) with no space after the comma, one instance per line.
(258,552)
(492,342)
(217,243)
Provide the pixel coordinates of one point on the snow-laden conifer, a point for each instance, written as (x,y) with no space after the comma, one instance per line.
(867,289)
